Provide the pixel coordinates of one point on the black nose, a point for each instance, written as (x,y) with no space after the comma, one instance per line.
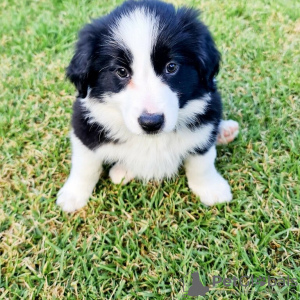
(151,122)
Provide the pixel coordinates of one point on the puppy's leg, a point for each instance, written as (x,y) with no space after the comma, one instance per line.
(204,180)
(85,172)
(118,174)
(228,130)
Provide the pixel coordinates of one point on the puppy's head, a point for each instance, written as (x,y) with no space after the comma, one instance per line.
(146,61)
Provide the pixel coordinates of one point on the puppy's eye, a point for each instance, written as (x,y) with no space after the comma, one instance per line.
(171,68)
(122,72)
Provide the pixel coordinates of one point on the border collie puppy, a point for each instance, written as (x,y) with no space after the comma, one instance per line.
(147,102)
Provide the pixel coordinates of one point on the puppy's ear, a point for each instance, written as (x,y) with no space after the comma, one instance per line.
(208,60)
(208,57)
(78,70)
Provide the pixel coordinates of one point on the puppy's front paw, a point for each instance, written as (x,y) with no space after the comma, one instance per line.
(212,192)
(228,130)
(119,174)
(70,199)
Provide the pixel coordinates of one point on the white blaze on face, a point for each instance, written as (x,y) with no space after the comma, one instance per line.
(137,32)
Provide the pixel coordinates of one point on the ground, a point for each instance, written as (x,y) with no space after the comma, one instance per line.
(139,241)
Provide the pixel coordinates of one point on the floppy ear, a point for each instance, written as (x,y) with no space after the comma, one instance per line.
(208,60)
(207,56)
(78,70)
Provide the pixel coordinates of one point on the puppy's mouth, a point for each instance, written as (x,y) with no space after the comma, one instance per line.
(152,132)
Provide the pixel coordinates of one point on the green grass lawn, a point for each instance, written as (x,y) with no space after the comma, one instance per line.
(140,241)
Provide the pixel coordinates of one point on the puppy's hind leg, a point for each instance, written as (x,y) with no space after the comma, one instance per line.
(228,130)
(85,172)
(119,174)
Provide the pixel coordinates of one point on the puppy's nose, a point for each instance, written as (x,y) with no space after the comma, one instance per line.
(151,122)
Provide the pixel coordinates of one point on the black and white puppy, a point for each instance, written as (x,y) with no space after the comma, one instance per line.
(147,102)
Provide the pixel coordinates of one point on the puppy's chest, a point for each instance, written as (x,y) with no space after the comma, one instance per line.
(154,157)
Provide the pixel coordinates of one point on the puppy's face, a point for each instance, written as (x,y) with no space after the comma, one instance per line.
(147,61)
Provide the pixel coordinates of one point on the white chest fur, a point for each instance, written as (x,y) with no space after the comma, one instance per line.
(155,156)
(148,156)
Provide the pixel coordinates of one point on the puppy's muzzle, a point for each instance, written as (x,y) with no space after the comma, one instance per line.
(151,123)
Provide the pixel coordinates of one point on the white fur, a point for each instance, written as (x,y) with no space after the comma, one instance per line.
(157,156)
(85,172)
(137,31)
(119,174)
(228,131)
(205,181)
(188,113)
(148,156)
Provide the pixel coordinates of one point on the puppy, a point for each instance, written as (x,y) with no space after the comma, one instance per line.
(147,102)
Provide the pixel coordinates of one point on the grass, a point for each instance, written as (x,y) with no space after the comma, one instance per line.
(140,241)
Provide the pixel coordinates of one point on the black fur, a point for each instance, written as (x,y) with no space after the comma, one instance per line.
(203,149)
(188,42)
(94,62)
(212,114)
(91,135)
(184,40)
